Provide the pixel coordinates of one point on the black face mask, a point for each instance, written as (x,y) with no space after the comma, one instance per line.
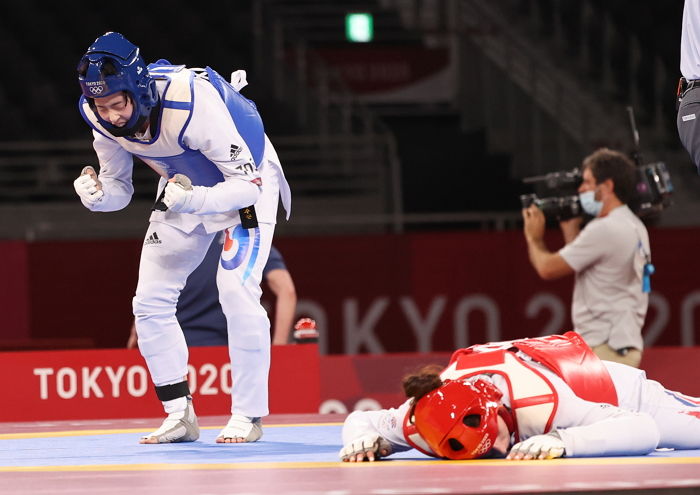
(125,131)
(154,119)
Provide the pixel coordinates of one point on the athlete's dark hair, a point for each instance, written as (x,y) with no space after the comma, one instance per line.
(426,379)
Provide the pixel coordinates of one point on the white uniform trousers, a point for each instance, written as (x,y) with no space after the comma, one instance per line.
(677,415)
(167,258)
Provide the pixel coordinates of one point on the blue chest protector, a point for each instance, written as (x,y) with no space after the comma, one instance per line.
(244,114)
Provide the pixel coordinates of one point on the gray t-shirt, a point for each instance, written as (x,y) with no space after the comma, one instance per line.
(609,257)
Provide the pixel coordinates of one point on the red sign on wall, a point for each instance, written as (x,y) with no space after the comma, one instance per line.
(114,383)
(14,290)
(105,384)
(393,74)
(431,292)
(374,382)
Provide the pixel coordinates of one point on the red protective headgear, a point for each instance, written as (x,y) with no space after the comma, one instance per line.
(459,420)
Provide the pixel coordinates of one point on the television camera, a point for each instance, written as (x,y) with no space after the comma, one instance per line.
(556,193)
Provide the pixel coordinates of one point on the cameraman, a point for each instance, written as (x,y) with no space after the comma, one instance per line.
(608,256)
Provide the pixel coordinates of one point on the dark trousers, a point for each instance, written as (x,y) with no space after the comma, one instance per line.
(688,125)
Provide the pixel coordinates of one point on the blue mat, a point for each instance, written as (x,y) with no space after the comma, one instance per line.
(313,443)
(318,443)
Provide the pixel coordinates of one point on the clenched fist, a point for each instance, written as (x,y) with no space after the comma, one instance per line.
(178,194)
(88,186)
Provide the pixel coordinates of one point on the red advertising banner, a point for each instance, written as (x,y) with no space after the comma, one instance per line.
(114,383)
(417,292)
(105,384)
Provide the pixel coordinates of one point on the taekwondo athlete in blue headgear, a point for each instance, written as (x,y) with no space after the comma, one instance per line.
(218,171)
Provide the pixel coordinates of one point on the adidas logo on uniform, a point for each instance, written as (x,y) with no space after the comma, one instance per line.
(235,151)
(152,239)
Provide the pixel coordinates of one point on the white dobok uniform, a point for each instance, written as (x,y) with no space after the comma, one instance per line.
(197,135)
(647,416)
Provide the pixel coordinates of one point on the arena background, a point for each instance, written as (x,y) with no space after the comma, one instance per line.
(406,157)
(405,154)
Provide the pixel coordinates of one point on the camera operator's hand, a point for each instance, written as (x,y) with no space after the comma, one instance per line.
(548,265)
(570,228)
(534,223)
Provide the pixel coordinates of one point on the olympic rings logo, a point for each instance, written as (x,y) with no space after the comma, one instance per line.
(484,446)
(96,90)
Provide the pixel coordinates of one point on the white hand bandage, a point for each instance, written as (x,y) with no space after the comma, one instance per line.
(367,447)
(88,186)
(547,446)
(179,195)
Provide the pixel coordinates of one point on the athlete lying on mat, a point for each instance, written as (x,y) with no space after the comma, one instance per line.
(527,399)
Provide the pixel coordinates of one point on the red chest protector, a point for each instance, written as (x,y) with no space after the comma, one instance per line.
(574,362)
(566,355)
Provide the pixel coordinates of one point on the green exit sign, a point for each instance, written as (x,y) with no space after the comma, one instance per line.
(359,27)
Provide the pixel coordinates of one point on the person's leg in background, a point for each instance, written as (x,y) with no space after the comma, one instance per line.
(687,123)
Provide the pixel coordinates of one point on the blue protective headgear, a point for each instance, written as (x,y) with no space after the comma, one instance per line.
(113,64)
